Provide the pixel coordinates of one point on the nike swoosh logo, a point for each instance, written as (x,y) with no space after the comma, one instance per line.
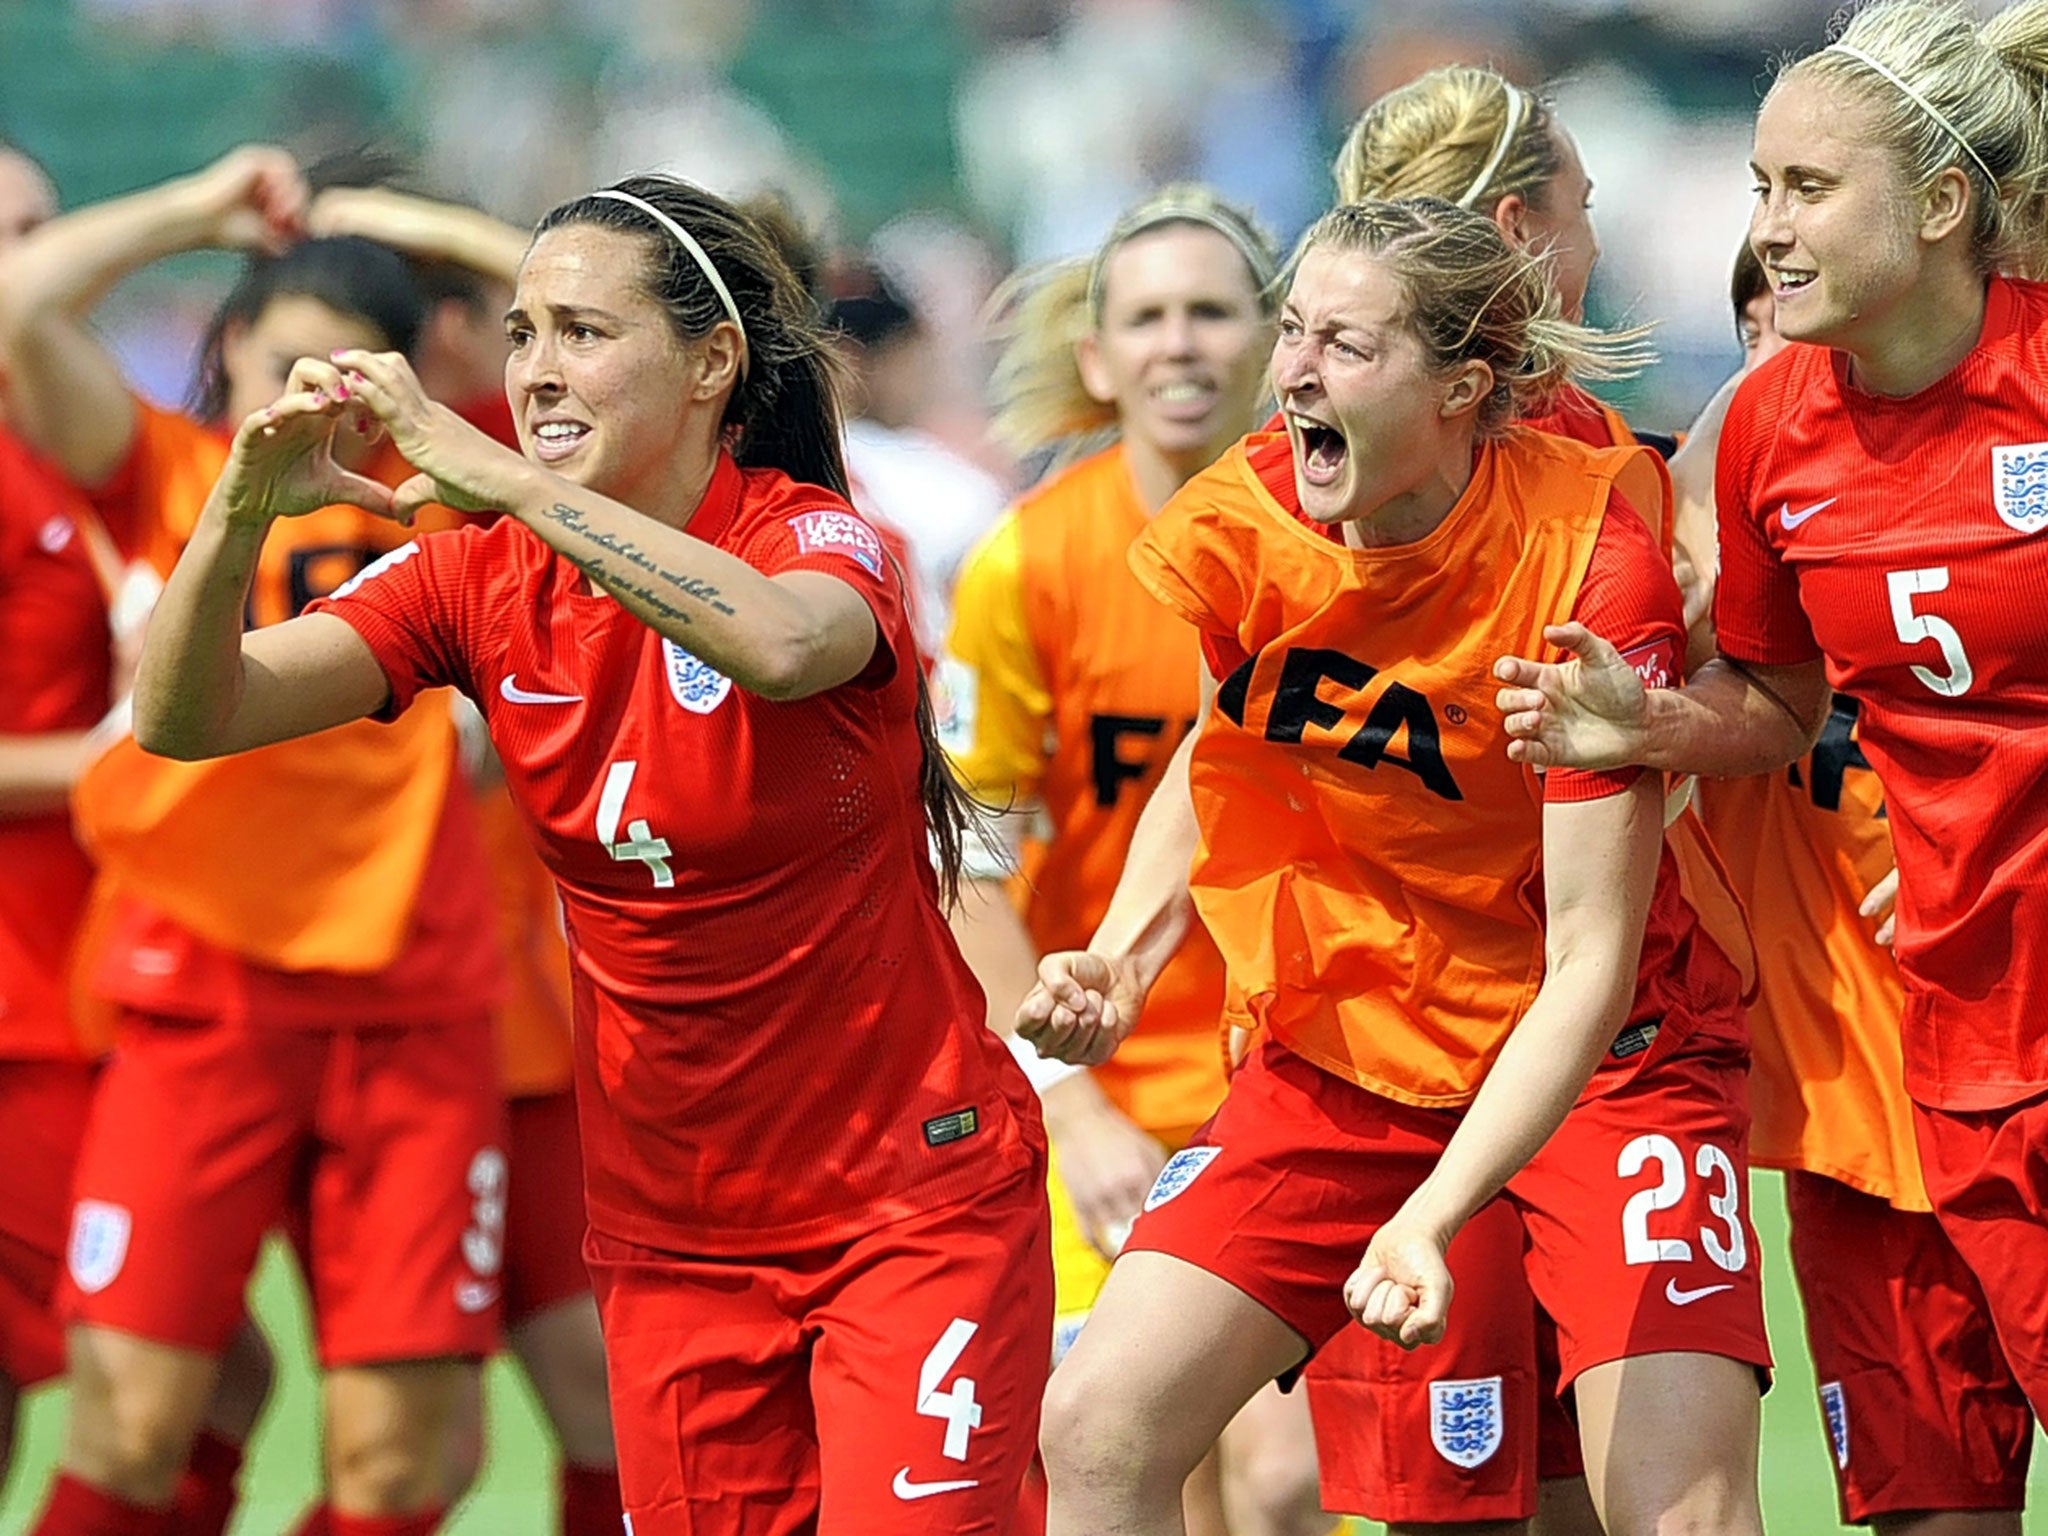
(1793,519)
(512,693)
(1679,1298)
(905,1489)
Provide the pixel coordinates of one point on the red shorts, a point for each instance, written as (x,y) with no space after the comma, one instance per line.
(1987,1174)
(544,1220)
(1637,1241)
(44,1105)
(1394,1427)
(1921,1410)
(887,1384)
(383,1143)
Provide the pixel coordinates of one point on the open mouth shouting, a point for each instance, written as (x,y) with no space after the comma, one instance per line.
(1320,450)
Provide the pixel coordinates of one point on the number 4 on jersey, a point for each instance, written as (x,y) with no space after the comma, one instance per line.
(639,842)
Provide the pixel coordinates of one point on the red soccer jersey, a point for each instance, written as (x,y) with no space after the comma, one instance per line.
(778,1044)
(1903,540)
(55,665)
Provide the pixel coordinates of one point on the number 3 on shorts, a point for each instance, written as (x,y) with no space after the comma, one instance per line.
(956,1405)
(1638,1247)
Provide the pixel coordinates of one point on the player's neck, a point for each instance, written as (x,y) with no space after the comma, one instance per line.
(1923,340)
(1411,515)
(1157,474)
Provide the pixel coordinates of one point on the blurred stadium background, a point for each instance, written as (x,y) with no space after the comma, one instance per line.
(954,139)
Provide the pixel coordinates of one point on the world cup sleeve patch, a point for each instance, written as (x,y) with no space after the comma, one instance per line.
(839,533)
(1655,663)
(1181,1170)
(1834,1408)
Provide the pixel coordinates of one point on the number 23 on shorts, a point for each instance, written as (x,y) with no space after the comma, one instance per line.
(1724,1240)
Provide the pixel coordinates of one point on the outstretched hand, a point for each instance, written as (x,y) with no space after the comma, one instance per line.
(282,463)
(1401,1289)
(1586,712)
(1081,1010)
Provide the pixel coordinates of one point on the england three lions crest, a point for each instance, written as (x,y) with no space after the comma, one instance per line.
(698,686)
(2019,485)
(1465,1420)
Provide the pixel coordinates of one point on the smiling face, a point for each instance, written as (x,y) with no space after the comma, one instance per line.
(1835,224)
(1367,415)
(1179,351)
(602,390)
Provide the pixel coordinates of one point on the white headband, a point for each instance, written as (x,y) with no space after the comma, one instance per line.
(1919,101)
(1177,212)
(688,242)
(1518,109)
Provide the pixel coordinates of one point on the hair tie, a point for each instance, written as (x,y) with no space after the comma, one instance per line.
(1919,101)
(697,254)
(1518,110)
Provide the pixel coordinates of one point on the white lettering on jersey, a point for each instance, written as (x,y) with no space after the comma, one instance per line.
(839,533)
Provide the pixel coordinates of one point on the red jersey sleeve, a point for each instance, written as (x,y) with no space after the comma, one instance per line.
(407,607)
(1630,599)
(809,530)
(1757,616)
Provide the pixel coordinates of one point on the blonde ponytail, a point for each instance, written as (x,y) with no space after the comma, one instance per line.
(1463,133)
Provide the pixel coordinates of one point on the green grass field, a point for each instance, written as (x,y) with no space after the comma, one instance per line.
(513,1496)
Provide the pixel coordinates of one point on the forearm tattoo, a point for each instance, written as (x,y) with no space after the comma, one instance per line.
(660,600)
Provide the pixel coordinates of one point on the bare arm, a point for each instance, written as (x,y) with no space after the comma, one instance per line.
(1599,872)
(1592,711)
(421,226)
(37,772)
(67,396)
(997,948)
(1695,538)
(783,637)
(204,688)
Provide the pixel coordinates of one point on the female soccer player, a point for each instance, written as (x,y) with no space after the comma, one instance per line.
(1473,137)
(1880,496)
(815,1179)
(1447,960)
(300,1030)
(1927,1432)
(1069,688)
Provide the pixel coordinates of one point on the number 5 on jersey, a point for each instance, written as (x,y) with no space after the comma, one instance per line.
(639,842)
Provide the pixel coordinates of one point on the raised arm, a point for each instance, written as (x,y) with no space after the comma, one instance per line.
(786,636)
(1599,873)
(421,226)
(1592,711)
(206,689)
(1087,1001)
(66,394)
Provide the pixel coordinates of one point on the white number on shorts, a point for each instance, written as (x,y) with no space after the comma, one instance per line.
(638,843)
(1915,627)
(1638,1247)
(1727,1205)
(956,1405)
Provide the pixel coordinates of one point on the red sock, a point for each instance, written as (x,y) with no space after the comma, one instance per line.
(313,1522)
(206,1493)
(590,1501)
(79,1509)
(423,1523)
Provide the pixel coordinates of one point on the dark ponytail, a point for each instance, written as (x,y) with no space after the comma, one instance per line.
(784,411)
